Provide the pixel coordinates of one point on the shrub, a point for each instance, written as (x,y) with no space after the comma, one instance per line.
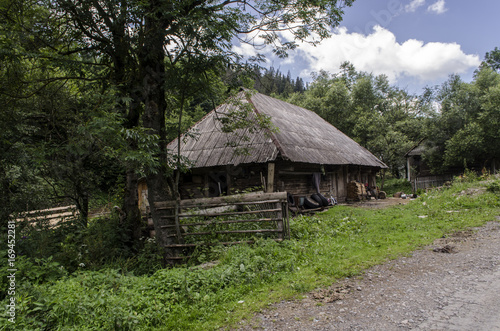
(493,187)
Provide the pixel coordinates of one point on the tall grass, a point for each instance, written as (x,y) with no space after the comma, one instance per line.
(338,243)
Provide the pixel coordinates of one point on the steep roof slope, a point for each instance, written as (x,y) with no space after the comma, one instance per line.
(303,136)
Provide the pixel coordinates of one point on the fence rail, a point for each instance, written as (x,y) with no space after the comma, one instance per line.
(51,217)
(230,216)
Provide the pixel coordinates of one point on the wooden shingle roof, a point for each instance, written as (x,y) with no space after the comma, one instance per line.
(303,136)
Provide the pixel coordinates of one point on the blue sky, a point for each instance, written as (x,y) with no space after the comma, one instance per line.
(416,43)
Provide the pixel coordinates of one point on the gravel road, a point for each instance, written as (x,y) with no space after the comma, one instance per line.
(453,284)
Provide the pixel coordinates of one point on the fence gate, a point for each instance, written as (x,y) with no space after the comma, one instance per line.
(225,220)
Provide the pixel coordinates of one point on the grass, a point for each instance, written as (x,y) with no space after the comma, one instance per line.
(341,242)
(393,185)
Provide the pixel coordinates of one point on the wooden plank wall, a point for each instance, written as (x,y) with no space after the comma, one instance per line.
(204,182)
(297,179)
(286,177)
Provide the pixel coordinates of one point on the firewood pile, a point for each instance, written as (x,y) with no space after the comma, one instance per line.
(355,191)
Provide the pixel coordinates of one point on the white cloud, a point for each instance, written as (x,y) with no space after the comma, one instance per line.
(414,5)
(246,50)
(380,53)
(438,7)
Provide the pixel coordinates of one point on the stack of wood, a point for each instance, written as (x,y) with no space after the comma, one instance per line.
(355,191)
(52,217)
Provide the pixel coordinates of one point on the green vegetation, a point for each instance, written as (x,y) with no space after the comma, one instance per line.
(458,121)
(338,243)
(93,92)
(394,185)
(465,133)
(91,96)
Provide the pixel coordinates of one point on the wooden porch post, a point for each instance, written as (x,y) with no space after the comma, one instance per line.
(270,178)
(228,179)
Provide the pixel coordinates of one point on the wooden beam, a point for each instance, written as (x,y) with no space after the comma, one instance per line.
(215,244)
(270,177)
(231,232)
(224,200)
(225,222)
(223,214)
(47,217)
(45,211)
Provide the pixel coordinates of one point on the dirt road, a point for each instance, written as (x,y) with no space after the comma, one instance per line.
(453,284)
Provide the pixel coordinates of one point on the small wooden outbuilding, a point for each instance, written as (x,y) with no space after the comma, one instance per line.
(304,155)
(418,172)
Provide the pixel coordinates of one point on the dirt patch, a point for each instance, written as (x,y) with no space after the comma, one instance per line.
(426,291)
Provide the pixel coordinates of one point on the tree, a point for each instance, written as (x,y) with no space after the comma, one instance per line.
(492,59)
(43,110)
(382,118)
(465,132)
(82,130)
(219,23)
(132,48)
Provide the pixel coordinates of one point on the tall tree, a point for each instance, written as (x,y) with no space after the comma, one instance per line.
(466,130)
(381,117)
(133,47)
(492,59)
(211,26)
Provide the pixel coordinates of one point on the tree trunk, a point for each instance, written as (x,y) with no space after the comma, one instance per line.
(153,88)
(383,180)
(5,203)
(82,204)
(131,208)
(125,78)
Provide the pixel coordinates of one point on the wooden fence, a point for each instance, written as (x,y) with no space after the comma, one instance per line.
(229,218)
(49,217)
(430,182)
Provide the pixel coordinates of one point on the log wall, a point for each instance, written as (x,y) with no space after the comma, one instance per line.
(295,178)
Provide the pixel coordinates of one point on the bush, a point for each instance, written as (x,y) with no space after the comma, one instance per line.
(102,244)
(31,271)
(493,187)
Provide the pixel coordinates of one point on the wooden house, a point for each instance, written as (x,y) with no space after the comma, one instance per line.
(419,174)
(304,155)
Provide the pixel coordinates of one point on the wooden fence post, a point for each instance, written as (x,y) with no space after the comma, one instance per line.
(270,178)
(279,216)
(177,222)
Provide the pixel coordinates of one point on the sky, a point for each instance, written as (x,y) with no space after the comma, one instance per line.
(416,43)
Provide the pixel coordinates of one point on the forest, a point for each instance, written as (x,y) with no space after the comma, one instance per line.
(92,92)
